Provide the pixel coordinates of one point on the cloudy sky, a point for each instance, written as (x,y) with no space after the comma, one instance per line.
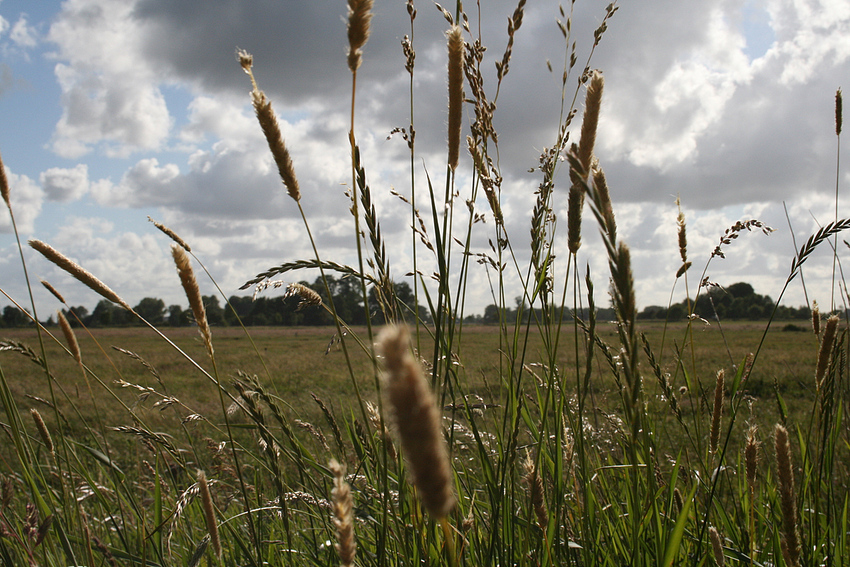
(113,110)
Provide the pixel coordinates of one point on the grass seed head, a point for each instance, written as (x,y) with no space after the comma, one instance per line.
(456,44)
(79,273)
(343,516)
(53,291)
(790,531)
(209,513)
(825,350)
(70,337)
(193,294)
(718,411)
(4,185)
(271,130)
(43,432)
(171,234)
(359,28)
(716,546)
(417,422)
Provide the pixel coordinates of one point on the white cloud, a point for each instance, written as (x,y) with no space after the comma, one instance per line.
(111,96)
(26,198)
(64,185)
(23,34)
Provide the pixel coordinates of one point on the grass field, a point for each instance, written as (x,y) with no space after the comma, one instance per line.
(302,361)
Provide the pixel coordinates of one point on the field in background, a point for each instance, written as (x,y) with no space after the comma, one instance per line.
(303,361)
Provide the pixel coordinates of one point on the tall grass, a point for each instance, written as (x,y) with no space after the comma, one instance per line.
(530,471)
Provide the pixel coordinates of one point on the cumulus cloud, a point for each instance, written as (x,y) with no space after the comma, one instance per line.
(26,198)
(65,185)
(111,95)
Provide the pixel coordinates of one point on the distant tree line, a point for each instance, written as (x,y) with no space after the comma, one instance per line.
(278,310)
(737,301)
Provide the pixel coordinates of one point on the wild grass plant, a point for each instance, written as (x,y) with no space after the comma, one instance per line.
(423,467)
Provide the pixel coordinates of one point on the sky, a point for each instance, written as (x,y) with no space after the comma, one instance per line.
(115,110)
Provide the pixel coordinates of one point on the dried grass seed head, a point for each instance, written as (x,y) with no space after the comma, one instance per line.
(82,275)
(209,513)
(592,104)
(193,294)
(359,28)
(70,337)
(171,234)
(4,185)
(343,507)
(455,66)
(791,536)
(271,130)
(825,350)
(53,291)
(417,422)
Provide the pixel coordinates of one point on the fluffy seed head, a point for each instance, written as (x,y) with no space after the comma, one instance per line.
(592,103)
(343,517)
(42,430)
(716,546)
(209,513)
(815,319)
(825,349)
(171,234)
(78,272)
(455,93)
(271,130)
(359,20)
(70,337)
(417,422)
(718,411)
(534,486)
(193,294)
(4,185)
(751,458)
(791,536)
(53,291)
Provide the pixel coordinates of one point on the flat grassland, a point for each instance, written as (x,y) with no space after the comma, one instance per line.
(297,363)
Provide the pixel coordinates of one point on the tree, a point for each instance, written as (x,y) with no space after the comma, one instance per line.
(215,314)
(14,317)
(178,317)
(152,310)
